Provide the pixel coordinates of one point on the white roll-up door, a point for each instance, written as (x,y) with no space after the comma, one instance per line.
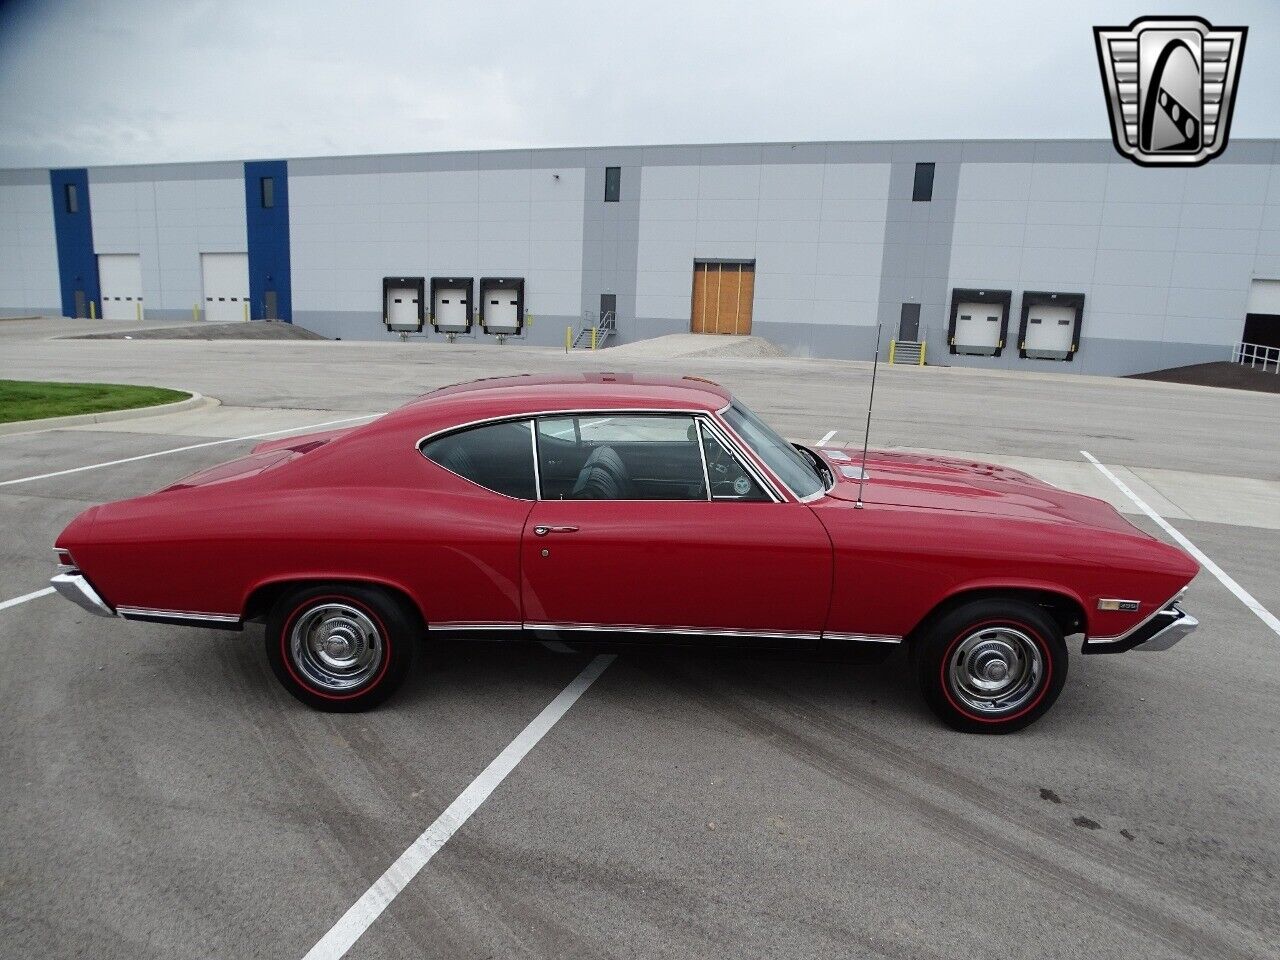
(1049,331)
(978,327)
(402,308)
(120,279)
(1264,297)
(226,286)
(450,308)
(501,313)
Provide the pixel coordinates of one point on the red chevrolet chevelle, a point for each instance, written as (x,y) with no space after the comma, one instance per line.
(609,507)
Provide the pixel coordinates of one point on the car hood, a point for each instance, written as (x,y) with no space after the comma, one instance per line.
(947,483)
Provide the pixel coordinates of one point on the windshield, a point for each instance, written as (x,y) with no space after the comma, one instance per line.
(783,459)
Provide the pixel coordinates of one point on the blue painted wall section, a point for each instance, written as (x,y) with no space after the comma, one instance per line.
(268,229)
(77,264)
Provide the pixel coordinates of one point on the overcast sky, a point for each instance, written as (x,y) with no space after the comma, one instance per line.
(132,81)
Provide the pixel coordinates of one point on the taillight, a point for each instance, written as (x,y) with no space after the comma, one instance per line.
(64,558)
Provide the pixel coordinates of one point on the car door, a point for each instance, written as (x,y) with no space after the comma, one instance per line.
(648,522)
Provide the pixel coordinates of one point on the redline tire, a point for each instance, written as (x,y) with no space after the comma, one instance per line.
(992,666)
(341,647)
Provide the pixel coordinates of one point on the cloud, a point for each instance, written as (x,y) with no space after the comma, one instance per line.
(130,81)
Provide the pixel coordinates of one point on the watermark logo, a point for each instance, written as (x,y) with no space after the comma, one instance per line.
(1171,86)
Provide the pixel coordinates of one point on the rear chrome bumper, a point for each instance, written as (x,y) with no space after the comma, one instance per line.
(72,585)
(1160,631)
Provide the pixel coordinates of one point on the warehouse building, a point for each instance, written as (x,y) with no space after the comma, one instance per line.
(1031,255)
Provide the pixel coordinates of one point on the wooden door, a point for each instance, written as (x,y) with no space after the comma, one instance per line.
(722,297)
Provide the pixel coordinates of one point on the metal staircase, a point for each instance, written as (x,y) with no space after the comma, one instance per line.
(595,331)
(907,352)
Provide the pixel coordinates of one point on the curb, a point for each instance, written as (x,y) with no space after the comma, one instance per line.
(196,401)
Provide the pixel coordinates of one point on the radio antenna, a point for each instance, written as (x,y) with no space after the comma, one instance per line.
(866,437)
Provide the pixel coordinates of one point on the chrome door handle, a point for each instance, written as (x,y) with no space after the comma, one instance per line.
(541,531)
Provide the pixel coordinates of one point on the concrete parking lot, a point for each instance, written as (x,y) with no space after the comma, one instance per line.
(166,798)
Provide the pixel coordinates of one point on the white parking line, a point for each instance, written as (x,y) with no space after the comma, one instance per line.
(378,897)
(34,595)
(1265,615)
(827,439)
(193,446)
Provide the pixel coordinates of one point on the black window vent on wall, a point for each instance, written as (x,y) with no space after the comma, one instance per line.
(612,184)
(923,189)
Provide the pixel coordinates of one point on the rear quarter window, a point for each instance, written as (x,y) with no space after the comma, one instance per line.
(497,456)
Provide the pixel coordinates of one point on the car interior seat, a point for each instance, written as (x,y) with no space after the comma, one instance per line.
(603,477)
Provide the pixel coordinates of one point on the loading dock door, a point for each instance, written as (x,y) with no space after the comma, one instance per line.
(226,286)
(978,328)
(120,277)
(1049,331)
(1262,315)
(722,297)
(402,308)
(450,307)
(501,309)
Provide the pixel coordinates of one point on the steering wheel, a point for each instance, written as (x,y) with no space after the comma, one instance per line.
(723,471)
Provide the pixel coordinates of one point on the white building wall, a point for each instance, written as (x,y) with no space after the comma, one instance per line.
(348,231)
(815,231)
(169,222)
(29,283)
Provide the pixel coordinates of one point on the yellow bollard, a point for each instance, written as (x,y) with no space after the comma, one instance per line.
(139,306)
(93,310)
(568,338)
(593,337)
(923,348)
(246,311)
(195,312)
(893,344)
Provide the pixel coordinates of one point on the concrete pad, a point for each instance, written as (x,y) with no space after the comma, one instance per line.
(1241,501)
(227,421)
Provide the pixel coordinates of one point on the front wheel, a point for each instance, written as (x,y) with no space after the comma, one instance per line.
(341,647)
(992,666)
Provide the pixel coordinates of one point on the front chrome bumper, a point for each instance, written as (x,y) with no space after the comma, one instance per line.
(72,585)
(1169,625)
(1160,631)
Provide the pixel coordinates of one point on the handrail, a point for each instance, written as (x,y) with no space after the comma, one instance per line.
(1254,354)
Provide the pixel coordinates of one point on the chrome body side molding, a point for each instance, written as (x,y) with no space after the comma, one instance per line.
(862,637)
(186,616)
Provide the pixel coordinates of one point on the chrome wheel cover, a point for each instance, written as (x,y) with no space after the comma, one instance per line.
(996,670)
(336,647)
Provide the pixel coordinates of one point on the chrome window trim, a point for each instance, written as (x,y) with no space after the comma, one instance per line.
(537,473)
(781,484)
(1121,637)
(154,612)
(702,454)
(481,423)
(718,427)
(734,445)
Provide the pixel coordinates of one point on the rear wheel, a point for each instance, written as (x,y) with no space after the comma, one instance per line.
(341,647)
(992,666)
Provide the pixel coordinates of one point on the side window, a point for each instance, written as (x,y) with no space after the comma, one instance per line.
(498,456)
(729,479)
(620,457)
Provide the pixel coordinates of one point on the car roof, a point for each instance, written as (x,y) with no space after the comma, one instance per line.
(525,394)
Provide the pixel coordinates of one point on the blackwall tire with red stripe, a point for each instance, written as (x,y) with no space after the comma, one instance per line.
(992,665)
(341,647)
